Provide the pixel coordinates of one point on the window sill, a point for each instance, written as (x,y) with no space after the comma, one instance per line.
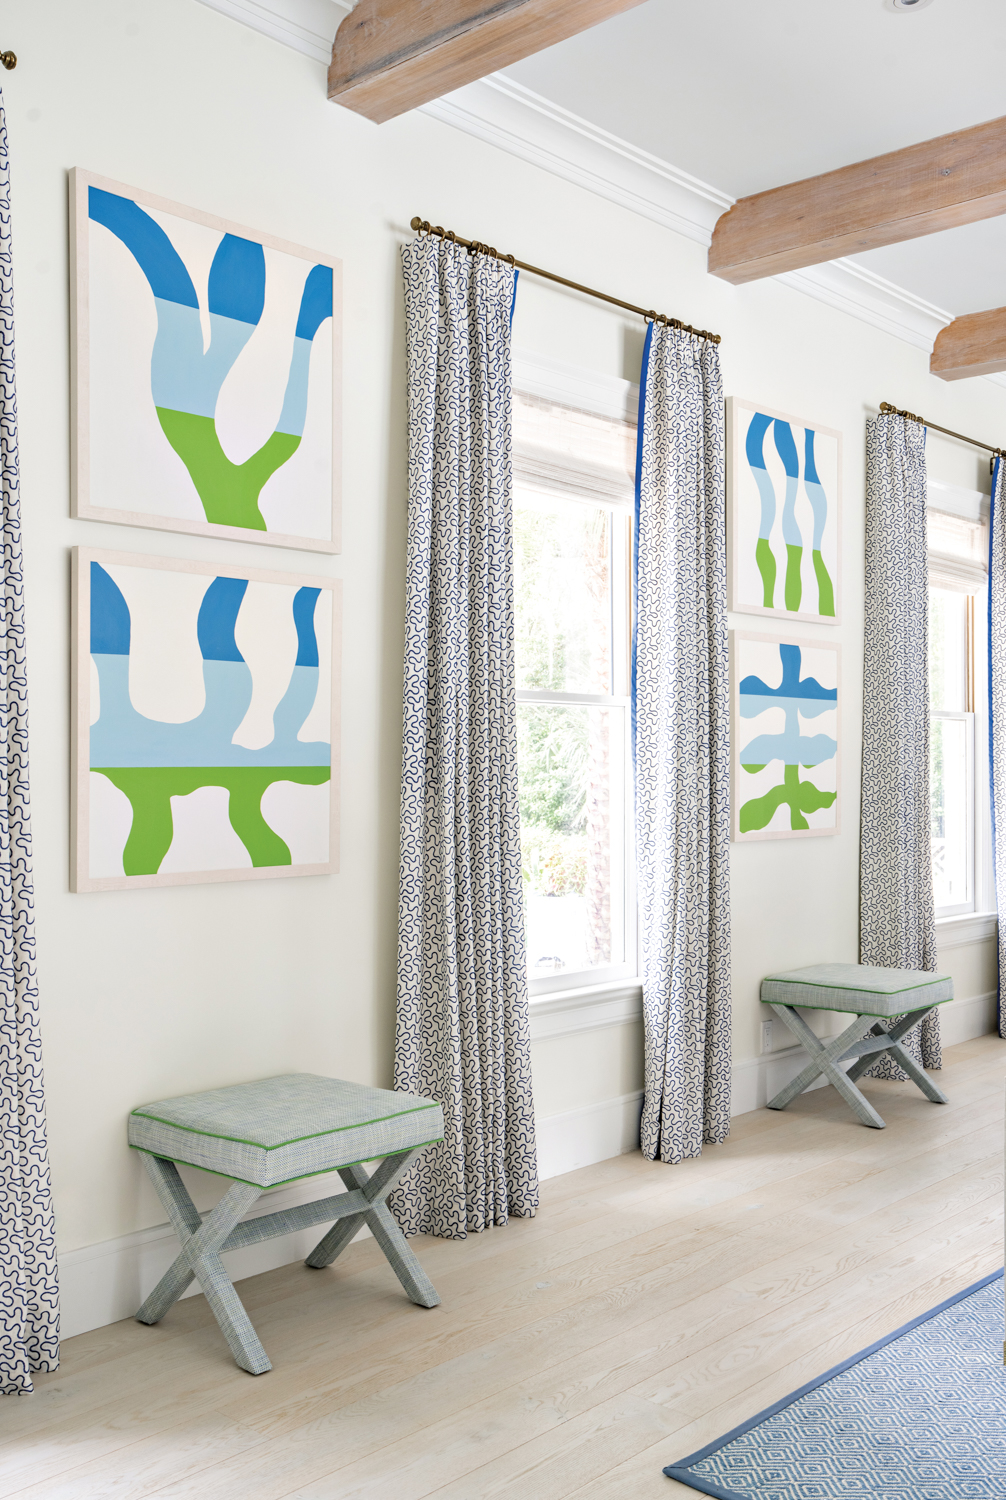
(972,927)
(566,1011)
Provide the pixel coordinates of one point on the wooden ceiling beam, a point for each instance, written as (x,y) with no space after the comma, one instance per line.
(939,184)
(974,344)
(393,55)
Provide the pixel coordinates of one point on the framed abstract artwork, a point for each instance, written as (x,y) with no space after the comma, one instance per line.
(784,509)
(206,719)
(206,373)
(785,736)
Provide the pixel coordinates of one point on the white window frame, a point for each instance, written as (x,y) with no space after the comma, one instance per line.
(558,474)
(973,920)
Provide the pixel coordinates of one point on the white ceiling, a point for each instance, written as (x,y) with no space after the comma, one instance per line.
(749,94)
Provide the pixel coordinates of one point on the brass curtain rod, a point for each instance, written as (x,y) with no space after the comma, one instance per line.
(887,410)
(477,247)
(9,60)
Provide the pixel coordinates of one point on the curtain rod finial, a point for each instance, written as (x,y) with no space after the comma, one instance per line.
(9,60)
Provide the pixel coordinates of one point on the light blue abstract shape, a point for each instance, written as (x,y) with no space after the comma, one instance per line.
(752,704)
(786,449)
(183,377)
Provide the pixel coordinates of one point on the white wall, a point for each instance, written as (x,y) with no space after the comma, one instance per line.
(157,992)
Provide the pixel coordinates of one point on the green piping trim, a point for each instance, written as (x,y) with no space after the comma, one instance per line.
(879,1015)
(239,1140)
(322,1171)
(821,984)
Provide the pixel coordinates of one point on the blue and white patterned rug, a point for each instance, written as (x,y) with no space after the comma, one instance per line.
(921,1415)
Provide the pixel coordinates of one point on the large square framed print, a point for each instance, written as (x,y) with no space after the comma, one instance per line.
(206,373)
(784,510)
(206,722)
(786,704)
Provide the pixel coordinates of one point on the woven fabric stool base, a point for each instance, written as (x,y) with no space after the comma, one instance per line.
(270,1123)
(903,996)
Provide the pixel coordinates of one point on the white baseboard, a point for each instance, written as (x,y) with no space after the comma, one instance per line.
(581,1137)
(102,1283)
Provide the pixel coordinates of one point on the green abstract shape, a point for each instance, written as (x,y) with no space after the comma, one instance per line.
(229,492)
(765,558)
(151,788)
(802,797)
(825,589)
(794,588)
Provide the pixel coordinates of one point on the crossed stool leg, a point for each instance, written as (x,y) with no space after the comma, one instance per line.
(864,1040)
(204,1241)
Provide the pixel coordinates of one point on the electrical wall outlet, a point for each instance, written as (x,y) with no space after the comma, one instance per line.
(766,1036)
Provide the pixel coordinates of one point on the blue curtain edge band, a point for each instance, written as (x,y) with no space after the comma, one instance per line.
(643,373)
(679,1470)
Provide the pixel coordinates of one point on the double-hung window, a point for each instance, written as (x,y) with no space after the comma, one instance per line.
(572,548)
(957,700)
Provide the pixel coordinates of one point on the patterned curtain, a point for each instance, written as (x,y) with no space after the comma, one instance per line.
(897,927)
(681,720)
(29,1309)
(997,708)
(462,1035)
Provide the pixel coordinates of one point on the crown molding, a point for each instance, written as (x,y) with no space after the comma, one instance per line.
(300,24)
(503,113)
(855,290)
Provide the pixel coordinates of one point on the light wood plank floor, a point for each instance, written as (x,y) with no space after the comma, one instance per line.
(646,1310)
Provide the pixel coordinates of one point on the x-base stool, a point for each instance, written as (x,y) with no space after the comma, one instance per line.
(266,1135)
(903,997)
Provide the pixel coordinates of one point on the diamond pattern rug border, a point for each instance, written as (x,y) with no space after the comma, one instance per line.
(919,1415)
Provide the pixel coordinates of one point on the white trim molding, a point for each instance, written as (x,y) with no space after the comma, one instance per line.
(959,932)
(568,1011)
(505,114)
(552,379)
(308,26)
(855,290)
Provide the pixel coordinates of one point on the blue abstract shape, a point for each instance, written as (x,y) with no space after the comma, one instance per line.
(110,621)
(218,615)
(148,244)
(809,466)
(315,302)
(786,449)
(795,696)
(237,280)
(815,492)
(304,602)
(791,685)
(754,443)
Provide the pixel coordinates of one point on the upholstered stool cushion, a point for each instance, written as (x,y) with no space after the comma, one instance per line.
(861,988)
(276,1130)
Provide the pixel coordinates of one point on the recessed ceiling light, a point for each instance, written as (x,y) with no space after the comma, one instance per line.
(902,5)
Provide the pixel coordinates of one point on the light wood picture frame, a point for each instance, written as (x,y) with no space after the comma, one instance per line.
(786,697)
(205,722)
(784,515)
(206,370)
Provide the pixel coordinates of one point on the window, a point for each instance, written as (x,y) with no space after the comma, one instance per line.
(572,549)
(956,584)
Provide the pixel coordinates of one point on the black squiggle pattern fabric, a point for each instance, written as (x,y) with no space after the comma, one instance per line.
(897,918)
(682,720)
(29,1303)
(462,1035)
(997,708)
